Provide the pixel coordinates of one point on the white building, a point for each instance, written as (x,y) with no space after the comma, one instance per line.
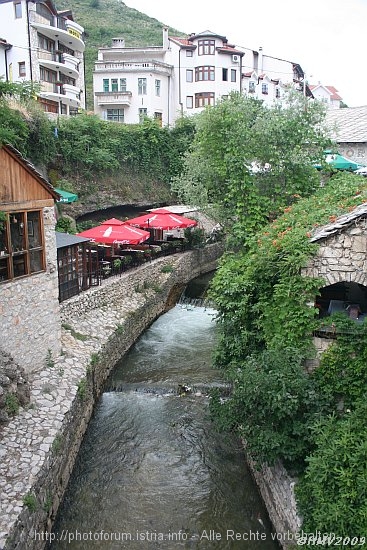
(327,94)
(47,47)
(183,76)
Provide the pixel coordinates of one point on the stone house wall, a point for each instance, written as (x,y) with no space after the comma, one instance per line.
(30,311)
(341,257)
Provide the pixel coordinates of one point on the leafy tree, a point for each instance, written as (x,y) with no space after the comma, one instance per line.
(250,160)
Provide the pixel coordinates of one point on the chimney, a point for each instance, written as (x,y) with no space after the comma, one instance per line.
(165,39)
(260,66)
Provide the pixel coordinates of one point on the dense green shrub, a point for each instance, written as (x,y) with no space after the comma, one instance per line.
(332,493)
(272,405)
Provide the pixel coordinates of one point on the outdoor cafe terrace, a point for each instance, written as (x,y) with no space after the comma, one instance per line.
(108,250)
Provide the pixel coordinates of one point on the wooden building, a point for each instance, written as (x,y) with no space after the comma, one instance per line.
(29,306)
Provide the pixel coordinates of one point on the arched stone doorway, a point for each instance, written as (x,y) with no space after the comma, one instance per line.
(342,297)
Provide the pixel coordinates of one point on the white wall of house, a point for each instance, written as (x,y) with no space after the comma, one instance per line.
(129,82)
(22,24)
(13,28)
(190,77)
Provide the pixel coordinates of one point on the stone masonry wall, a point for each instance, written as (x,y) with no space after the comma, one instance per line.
(342,257)
(39,446)
(30,311)
(276,487)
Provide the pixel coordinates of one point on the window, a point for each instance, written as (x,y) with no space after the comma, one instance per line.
(123,85)
(114,85)
(21,245)
(45,43)
(158,118)
(142,86)
(21,66)
(204,73)
(47,76)
(116,115)
(233,75)
(189,75)
(203,99)
(225,74)
(142,114)
(158,88)
(106,85)
(206,47)
(189,102)
(264,88)
(189,53)
(18,10)
(251,87)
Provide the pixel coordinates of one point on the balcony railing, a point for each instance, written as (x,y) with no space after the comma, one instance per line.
(113,98)
(138,66)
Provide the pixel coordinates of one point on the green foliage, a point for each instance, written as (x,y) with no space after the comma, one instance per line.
(332,494)
(263,301)
(49,361)
(57,444)
(342,374)
(2,220)
(195,236)
(238,132)
(167,268)
(13,127)
(82,388)
(271,400)
(90,146)
(30,501)
(11,404)
(65,225)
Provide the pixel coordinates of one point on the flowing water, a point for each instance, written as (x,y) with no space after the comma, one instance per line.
(153,472)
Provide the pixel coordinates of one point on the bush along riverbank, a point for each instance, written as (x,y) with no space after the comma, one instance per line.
(309,422)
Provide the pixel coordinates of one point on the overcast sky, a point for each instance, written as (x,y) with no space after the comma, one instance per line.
(326,37)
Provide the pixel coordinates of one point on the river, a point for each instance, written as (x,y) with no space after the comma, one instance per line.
(152,471)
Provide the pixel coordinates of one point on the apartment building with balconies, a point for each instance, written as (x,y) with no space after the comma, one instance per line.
(184,75)
(47,47)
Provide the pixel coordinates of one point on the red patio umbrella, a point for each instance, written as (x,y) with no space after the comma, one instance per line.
(115,232)
(162,219)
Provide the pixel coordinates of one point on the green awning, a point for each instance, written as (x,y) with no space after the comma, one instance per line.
(65,196)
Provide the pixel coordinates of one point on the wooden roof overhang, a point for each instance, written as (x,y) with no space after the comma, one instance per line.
(22,186)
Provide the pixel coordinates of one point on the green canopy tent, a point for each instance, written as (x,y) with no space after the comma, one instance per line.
(65,196)
(337,161)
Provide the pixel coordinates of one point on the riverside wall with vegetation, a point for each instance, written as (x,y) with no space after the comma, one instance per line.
(39,446)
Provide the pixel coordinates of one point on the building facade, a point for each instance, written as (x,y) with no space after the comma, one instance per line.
(47,47)
(183,76)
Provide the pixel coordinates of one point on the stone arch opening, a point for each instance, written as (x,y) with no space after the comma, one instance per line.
(344,297)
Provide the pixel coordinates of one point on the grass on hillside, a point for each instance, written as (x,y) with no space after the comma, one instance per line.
(106,19)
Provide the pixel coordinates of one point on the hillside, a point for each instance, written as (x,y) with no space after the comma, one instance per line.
(107,19)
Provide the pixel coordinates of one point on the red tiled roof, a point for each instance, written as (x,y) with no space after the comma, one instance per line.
(331,89)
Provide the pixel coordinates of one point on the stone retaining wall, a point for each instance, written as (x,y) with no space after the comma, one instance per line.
(276,487)
(39,446)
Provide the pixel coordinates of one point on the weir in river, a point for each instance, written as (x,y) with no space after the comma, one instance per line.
(153,472)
